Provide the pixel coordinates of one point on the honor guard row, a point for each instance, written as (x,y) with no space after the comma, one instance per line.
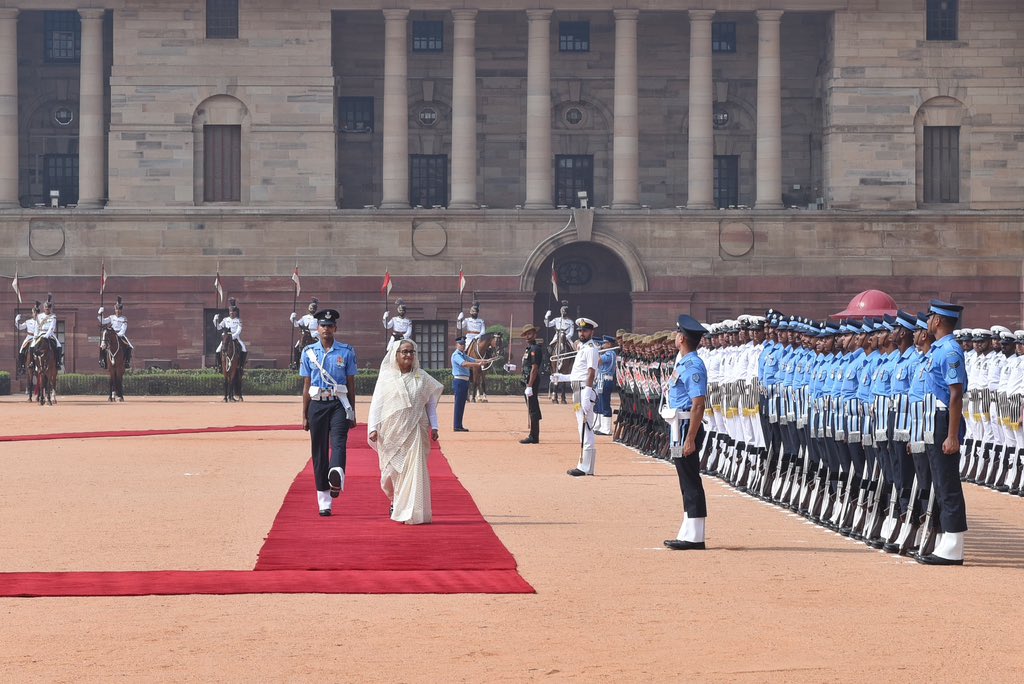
(855,425)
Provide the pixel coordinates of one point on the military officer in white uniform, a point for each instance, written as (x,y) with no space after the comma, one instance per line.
(30,325)
(562,324)
(46,328)
(472,327)
(399,326)
(119,324)
(307,322)
(233,324)
(583,377)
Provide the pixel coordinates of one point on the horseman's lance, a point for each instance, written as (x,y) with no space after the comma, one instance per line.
(295,303)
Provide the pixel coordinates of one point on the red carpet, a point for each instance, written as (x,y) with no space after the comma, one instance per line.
(359,550)
(147,433)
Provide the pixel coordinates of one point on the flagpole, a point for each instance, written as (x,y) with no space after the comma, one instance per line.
(295,303)
(461,286)
(550,298)
(103,278)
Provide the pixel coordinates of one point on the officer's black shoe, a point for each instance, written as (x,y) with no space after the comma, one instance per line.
(891,547)
(932,559)
(460,430)
(529,440)
(334,480)
(680,545)
(875,543)
(325,512)
(575,472)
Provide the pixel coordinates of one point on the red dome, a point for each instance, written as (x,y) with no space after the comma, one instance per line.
(868,303)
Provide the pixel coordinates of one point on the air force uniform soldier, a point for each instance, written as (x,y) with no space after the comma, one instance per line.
(687,393)
(399,326)
(583,377)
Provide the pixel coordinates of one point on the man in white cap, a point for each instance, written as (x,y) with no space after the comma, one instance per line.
(307,322)
(583,377)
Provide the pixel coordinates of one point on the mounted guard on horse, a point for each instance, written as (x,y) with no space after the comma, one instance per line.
(308,333)
(30,325)
(560,348)
(47,353)
(231,353)
(118,323)
(485,346)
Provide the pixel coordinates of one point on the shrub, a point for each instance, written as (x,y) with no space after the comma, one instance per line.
(5,383)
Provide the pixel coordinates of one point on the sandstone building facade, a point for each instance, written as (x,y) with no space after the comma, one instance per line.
(731,155)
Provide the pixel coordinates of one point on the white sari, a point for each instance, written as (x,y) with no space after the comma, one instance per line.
(402,412)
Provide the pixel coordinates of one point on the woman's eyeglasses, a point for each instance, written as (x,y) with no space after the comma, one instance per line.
(407,352)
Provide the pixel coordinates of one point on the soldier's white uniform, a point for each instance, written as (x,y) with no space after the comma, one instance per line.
(400,325)
(588,357)
(308,322)
(234,326)
(472,328)
(46,327)
(564,325)
(30,325)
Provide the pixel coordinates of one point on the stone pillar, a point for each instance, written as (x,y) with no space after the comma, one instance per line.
(539,183)
(464,110)
(626,130)
(701,143)
(395,165)
(769,111)
(91,172)
(9,109)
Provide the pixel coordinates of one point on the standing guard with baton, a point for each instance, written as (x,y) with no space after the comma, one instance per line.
(583,377)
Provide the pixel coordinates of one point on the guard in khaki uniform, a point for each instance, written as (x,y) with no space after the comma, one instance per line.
(533,359)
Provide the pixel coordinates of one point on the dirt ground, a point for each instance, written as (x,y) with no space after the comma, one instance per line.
(773,599)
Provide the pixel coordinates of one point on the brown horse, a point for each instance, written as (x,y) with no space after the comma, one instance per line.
(231,366)
(31,376)
(44,362)
(305,339)
(115,351)
(488,348)
(561,362)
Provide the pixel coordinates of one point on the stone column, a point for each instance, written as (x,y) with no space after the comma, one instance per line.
(91,173)
(9,109)
(626,130)
(769,111)
(464,110)
(539,183)
(396,112)
(701,143)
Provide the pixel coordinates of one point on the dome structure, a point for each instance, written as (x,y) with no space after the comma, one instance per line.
(868,303)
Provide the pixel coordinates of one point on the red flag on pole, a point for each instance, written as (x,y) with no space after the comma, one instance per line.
(103,277)
(219,289)
(462,280)
(554,280)
(295,279)
(385,288)
(14,284)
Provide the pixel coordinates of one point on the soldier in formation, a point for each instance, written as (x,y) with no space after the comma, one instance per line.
(856,425)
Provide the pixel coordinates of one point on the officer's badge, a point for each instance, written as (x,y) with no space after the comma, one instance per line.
(951,376)
(696,377)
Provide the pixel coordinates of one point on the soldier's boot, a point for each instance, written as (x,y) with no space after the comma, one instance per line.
(60,358)
(128,357)
(220,361)
(21,361)
(103,357)
(241,361)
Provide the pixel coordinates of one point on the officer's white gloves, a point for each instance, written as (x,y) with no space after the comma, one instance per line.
(216,319)
(293,317)
(17,319)
(528,392)
(100,312)
(509,367)
(559,377)
(460,316)
(547,315)
(385,318)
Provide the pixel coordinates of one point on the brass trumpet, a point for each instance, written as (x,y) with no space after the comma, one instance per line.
(566,355)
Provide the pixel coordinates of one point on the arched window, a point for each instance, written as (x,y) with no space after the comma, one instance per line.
(941,129)
(220,159)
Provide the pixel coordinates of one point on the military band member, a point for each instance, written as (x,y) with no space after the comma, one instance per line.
(233,324)
(30,325)
(533,360)
(307,322)
(471,327)
(328,407)
(583,377)
(46,329)
(947,382)
(399,326)
(688,387)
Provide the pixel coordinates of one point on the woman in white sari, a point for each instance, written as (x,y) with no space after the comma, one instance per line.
(401,426)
